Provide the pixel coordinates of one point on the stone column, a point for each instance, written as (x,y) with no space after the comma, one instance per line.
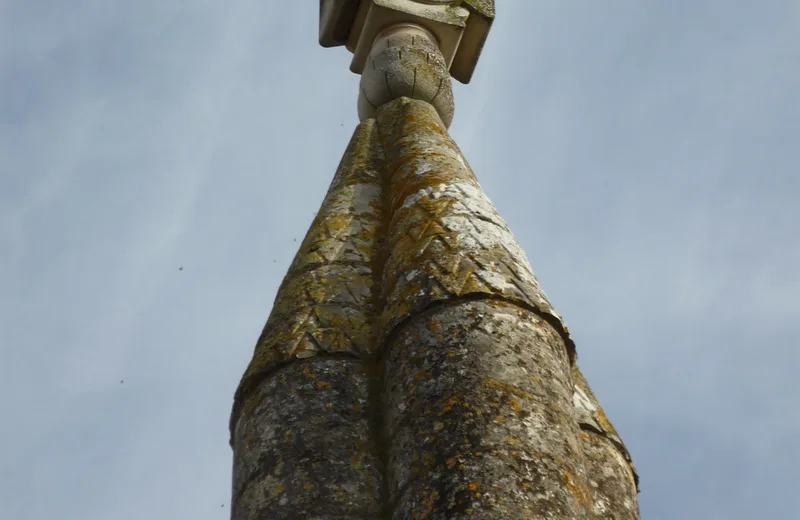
(412,368)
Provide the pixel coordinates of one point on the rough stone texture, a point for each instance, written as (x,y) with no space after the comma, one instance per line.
(484,7)
(445,237)
(613,480)
(412,368)
(478,416)
(303,445)
(327,300)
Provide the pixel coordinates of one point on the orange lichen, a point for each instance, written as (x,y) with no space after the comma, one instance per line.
(435,325)
(371,262)
(508,389)
(449,403)
(427,505)
(578,489)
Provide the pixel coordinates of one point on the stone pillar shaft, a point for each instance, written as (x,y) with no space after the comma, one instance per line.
(412,368)
(302,433)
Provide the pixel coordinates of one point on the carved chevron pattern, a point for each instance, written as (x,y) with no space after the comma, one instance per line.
(443,239)
(326,302)
(477,401)
(446,239)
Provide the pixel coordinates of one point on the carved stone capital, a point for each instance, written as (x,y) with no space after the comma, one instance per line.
(460,27)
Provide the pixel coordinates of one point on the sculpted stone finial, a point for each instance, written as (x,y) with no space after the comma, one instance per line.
(408,48)
(460,27)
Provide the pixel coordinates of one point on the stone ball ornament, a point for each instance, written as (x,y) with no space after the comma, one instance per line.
(405,62)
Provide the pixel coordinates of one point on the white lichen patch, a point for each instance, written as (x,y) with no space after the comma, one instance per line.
(582,401)
(429,191)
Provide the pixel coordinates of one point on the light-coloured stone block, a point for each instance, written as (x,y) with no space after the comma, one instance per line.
(460,27)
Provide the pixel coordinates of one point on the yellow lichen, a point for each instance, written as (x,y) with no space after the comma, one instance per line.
(435,325)
(276,489)
(577,488)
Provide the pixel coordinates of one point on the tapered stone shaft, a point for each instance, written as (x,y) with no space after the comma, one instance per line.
(484,416)
(303,440)
(412,368)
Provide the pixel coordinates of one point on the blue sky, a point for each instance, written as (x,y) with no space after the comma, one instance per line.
(643,152)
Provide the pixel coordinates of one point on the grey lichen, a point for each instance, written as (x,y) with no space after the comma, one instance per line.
(305,447)
(478,398)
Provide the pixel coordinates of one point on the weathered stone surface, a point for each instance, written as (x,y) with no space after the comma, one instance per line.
(478,399)
(412,368)
(327,300)
(445,239)
(484,7)
(303,445)
(613,481)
